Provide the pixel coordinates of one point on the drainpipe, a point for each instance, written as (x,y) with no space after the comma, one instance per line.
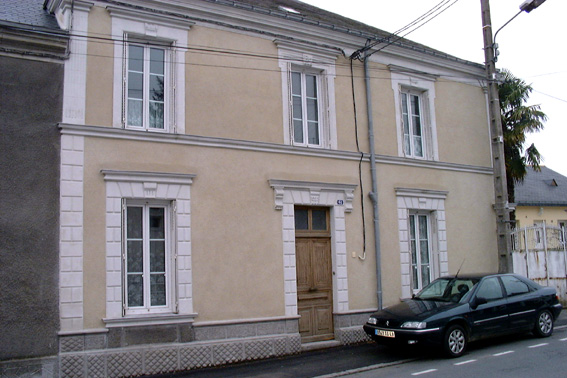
(374,193)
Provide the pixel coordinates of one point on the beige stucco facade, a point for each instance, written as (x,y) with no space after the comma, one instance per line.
(234,156)
(527,216)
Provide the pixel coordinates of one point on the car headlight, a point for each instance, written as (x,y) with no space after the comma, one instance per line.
(372,321)
(414,325)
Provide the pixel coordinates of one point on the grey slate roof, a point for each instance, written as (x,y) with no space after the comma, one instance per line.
(545,188)
(26,13)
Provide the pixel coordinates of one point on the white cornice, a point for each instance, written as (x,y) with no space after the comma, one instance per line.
(424,193)
(194,140)
(137,176)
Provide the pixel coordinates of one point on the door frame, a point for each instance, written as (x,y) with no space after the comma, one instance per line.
(338,198)
(314,300)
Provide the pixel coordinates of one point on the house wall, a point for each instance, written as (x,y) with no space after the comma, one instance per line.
(241,181)
(31,92)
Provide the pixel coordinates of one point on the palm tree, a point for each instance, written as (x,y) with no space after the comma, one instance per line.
(518,119)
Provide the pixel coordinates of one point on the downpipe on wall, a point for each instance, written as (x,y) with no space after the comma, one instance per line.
(374,193)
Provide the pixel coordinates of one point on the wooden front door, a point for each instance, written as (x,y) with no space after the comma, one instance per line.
(314,274)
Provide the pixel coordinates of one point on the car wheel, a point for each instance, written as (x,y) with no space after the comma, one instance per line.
(544,324)
(455,341)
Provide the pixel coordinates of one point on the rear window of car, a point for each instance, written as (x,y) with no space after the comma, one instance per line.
(515,286)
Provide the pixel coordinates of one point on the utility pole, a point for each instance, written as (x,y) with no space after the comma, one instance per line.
(501,205)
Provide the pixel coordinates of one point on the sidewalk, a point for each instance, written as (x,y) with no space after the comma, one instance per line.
(319,362)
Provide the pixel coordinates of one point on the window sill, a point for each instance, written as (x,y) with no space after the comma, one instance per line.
(148,320)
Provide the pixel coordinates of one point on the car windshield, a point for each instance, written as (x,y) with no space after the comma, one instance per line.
(446,289)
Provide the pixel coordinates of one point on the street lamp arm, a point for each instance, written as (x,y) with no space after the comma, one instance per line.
(502,27)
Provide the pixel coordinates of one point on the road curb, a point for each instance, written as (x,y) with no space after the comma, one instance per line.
(366,368)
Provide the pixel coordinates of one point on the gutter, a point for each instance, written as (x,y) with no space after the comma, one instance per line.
(374,193)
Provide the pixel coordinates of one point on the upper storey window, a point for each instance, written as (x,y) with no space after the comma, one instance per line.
(414,96)
(412,124)
(146,87)
(308,88)
(149,70)
(306,112)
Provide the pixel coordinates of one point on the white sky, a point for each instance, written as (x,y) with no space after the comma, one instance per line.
(533,47)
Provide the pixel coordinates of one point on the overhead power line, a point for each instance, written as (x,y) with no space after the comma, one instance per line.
(422,20)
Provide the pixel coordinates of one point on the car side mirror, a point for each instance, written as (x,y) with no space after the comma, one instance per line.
(477,301)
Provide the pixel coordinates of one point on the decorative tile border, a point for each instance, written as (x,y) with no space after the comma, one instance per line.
(150,359)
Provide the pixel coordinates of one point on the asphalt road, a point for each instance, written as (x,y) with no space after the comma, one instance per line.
(372,360)
(513,357)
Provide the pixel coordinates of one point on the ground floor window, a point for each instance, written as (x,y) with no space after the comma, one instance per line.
(423,237)
(420,249)
(147,257)
(148,248)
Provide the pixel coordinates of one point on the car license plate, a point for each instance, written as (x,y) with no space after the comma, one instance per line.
(384,333)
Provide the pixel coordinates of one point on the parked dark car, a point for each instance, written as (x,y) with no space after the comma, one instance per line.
(452,311)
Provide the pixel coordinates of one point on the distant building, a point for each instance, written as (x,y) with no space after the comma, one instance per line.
(541,199)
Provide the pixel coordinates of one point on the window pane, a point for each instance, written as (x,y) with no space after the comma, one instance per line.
(296,83)
(157,224)
(424,251)
(134,222)
(514,286)
(157,61)
(157,290)
(156,115)
(312,110)
(298,131)
(415,277)
(423,227)
(311,86)
(313,133)
(135,112)
(157,257)
(490,289)
(407,144)
(135,85)
(297,109)
(301,219)
(319,220)
(418,146)
(424,275)
(135,58)
(156,88)
(135,290)
(134,256)
(415,105)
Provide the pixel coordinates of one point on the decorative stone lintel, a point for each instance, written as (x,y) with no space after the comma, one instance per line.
(344,192)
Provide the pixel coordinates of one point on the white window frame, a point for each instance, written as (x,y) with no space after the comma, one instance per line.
(416,261)
(140,26)
(170,258)
(303,57)
(424,87)
(168,94)
(409,143)
(303,72)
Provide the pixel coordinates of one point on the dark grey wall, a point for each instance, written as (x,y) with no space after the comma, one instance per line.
(30,107)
